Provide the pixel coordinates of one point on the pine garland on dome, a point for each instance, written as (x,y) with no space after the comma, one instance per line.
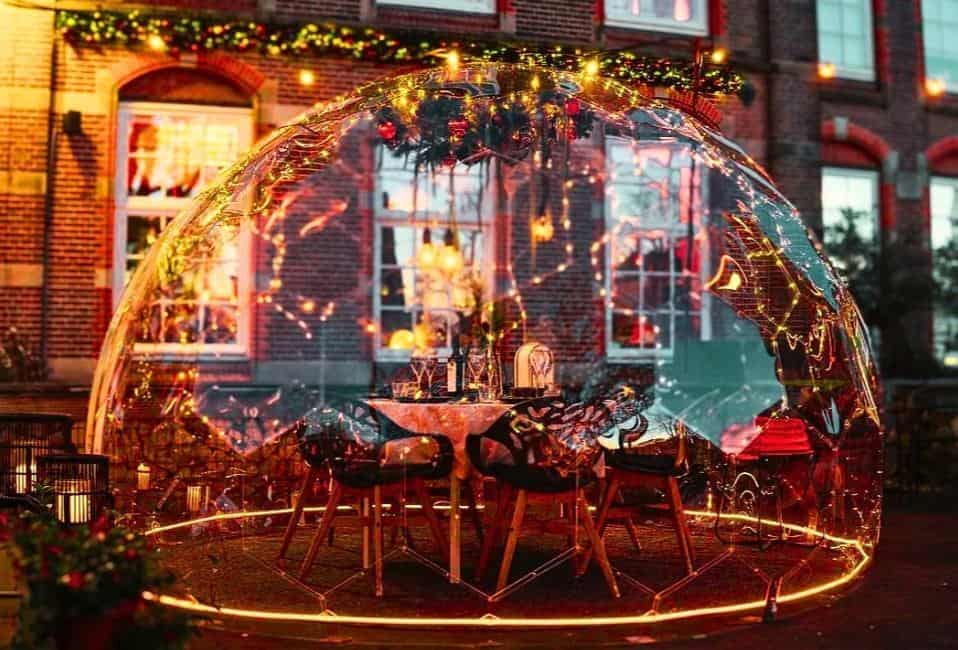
(184,34)
(442,130)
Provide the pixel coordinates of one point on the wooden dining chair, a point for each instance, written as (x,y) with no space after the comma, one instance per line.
(656,465)
(540,452)
(371,463)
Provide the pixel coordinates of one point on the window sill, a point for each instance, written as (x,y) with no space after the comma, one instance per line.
(625,29)
(853,91)
(945,105)
(399,15)
(191,353)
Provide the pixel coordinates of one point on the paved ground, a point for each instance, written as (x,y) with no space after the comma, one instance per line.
(909,599)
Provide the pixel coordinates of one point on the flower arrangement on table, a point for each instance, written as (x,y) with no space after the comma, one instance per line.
(83,587)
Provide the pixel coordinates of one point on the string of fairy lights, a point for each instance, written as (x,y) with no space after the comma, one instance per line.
(177,34)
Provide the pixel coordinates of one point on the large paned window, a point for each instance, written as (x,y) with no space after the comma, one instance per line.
(940,29)
(681,16)
(944,243)
(654,262)
(470,6)
(850,201)
(433,247)
(166,154)
(845,37)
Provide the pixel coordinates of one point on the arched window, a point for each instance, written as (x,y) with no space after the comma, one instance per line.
(176,129)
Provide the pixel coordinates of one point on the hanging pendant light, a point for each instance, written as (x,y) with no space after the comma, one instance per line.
(450,258)
(427,256)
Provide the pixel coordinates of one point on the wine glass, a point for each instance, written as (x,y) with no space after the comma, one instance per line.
(475,364)
(418,366)
(430,365)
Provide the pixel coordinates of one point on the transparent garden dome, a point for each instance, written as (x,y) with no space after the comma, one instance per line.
(649,265)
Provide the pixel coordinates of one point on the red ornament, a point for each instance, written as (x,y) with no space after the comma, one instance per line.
(449,160)
(387,131)
(572,107)
(74,580)
(457,127)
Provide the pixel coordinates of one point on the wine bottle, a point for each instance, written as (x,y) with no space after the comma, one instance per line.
(454,369)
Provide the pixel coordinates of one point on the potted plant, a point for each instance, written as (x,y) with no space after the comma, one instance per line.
(83,587)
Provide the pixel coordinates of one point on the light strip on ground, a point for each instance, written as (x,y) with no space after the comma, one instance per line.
(646,618)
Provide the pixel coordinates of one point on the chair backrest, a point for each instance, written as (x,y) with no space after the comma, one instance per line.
(544,434)
(347,433)
(25,437)
(639,430)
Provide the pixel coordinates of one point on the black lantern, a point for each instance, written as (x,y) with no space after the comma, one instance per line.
(80,485)
(24,438)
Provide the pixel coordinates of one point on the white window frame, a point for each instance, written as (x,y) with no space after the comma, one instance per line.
(424,219)
(938,327)
(485,7)
(864,72)
(698,27)
(614,352)
(167,208)
(949,29)
(856,172)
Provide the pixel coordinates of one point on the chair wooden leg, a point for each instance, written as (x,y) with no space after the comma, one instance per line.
(297,513)
(504,498)
(573,536)
(473,512)
(422,493)
(515,529)
(329,514)
(364,518)
(681,526)
(608,498)
(633,533)
(378,538)
(598,546)
(601,519)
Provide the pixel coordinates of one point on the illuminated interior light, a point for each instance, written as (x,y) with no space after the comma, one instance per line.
(826,70)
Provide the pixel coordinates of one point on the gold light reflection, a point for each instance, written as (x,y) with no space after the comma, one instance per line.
(649,617)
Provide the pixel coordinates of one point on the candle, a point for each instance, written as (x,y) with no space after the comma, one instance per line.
(74,504)
(25,476)
(196,497)
(143,477)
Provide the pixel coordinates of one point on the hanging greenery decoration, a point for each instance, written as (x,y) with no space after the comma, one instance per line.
(183,33)
(441,130)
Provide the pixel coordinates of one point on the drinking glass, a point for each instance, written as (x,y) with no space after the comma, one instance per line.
(418,366)
(431,364)
(491,389)
(476,365)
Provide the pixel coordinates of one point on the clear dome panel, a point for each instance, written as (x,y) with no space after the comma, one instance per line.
(587,247)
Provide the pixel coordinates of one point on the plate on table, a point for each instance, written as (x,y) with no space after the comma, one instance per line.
(514,399)
(423,400)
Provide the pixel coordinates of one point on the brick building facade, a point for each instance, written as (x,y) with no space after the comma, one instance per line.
(886,114)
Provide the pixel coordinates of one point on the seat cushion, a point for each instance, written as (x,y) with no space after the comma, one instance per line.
(427,457)
(661,464)
(536,479)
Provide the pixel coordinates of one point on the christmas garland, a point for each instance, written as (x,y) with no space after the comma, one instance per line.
(449,131)
(177,34)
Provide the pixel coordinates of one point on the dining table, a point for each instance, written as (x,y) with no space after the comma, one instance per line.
(456,420)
